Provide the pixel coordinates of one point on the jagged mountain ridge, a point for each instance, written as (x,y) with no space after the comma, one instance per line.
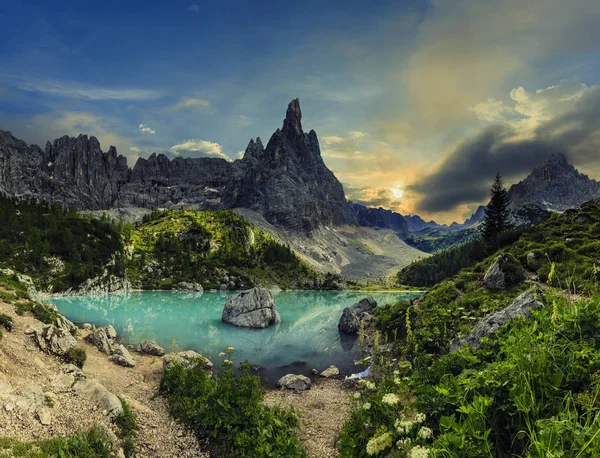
(556,185)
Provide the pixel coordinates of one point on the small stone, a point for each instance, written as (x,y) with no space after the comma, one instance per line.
(294,382)
(330,371)
(45,416)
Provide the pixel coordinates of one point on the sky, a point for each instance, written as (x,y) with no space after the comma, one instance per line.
(417,104)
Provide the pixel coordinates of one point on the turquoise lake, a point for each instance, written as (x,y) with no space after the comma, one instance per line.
(307,337)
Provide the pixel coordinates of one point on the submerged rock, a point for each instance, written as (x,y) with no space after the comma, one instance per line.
(294,382)
(188,359)
(353,315)
(253,308)
(488,325)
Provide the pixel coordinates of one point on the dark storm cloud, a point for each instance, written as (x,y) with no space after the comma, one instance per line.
(466,174)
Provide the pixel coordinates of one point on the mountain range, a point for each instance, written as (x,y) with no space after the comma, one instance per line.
(286,182)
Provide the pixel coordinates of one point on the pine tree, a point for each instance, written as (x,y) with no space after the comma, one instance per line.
(497,219)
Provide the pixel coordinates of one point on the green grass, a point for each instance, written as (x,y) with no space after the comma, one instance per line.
(531,391)
(91,444)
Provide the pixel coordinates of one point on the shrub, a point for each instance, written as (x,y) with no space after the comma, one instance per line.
(127,424)
(227,410)
(6,321)
(91,444)
(76,356)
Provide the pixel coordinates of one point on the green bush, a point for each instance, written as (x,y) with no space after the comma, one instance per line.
(76,356)
(91,444)
(227,410)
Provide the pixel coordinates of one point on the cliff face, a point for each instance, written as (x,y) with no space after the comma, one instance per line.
(380,218)
(72,171)
(288,182)
(161,182)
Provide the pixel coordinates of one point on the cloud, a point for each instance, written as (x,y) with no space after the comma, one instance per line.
(560,119)
(467,50)
(78,90)
(194,8)
(240,154)
(348,155)
(147,130)
(333,139)
(199,148)
(189,103)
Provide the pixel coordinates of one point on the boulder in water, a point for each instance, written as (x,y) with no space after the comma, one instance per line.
(353,315)
(253,308)
(151,348)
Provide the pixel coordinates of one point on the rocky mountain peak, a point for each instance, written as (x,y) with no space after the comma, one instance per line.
(254,149)
(293,118)
(555,185)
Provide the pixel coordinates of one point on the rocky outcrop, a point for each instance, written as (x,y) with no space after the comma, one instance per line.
(26,280)
(504,272)
(103,338)
(294,382)
(288,182)
(151,348)
(487,326)
(415,223)
(187,359)
(102,284)
(352,316)
(253,308)
(121,356)
(55,340)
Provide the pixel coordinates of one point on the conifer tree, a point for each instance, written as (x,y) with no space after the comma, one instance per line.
(497,219)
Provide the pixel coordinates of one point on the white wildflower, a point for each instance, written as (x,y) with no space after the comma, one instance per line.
(366,406)
(390,399)
(379,443)
(425,432)
(403,443)
(418,452)
(356,395)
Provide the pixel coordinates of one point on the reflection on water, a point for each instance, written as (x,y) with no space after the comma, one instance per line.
(308,330)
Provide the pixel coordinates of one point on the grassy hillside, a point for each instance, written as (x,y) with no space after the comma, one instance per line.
(532,391)
(58,248)
(207,247)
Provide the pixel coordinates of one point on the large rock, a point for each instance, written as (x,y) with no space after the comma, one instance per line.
(253,308)
(294,382)
(122,357)
(103,338)
(96,393)
(494,277)
(187,359)
(331,371)
(189,286)
(352,316)
(487,326)
(57,341)
(151,348)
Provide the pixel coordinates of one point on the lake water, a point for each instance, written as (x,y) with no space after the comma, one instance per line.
(307,337)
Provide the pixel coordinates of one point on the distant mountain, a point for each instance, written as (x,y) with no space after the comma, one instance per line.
(475,218)
(554,186)
(416,223)
(380,218)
